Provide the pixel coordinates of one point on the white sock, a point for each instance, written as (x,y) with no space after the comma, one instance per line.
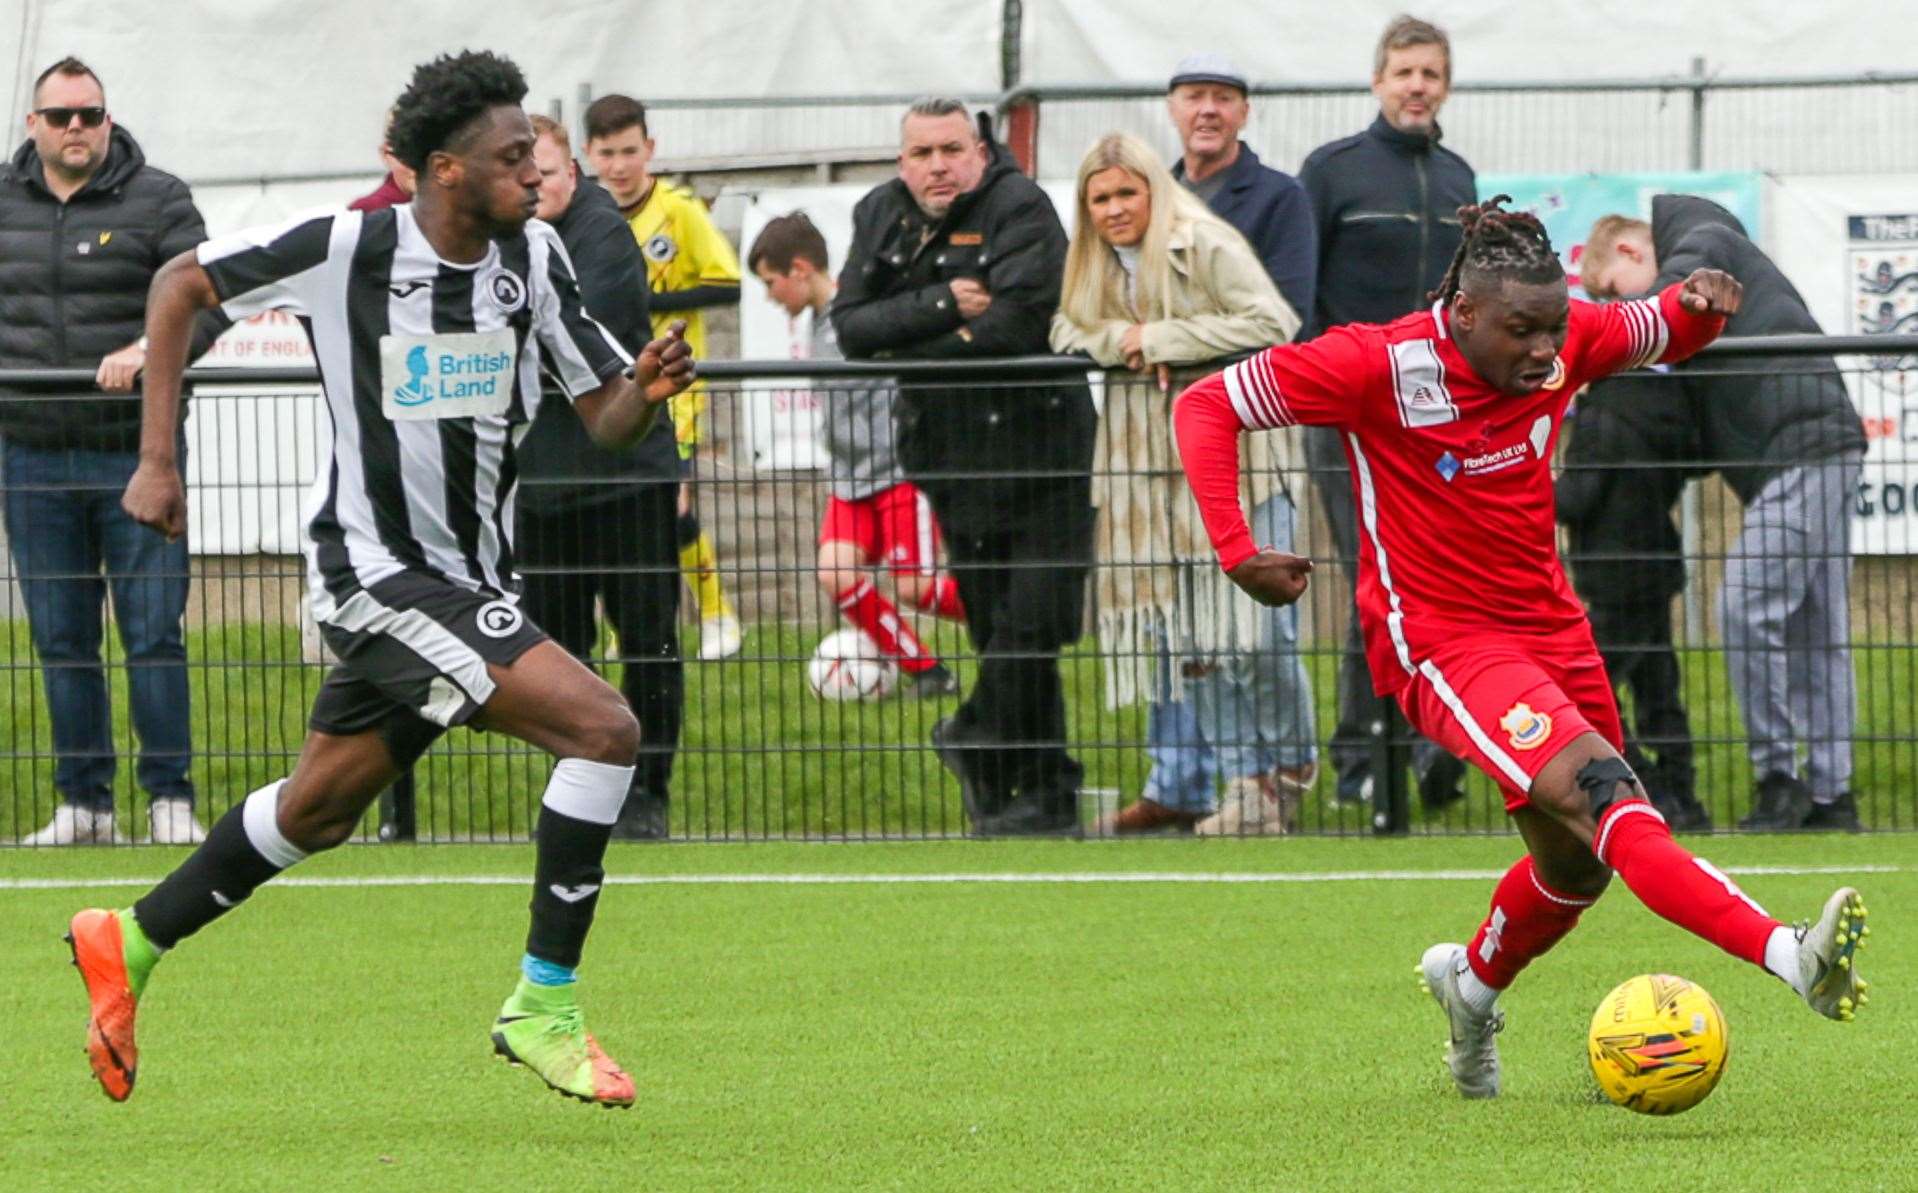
(1781,956)
(586,790)
(1474,991)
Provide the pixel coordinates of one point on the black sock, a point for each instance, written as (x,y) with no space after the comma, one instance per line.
(243,850)
(566,882)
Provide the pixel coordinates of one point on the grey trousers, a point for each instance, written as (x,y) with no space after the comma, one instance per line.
(1785,613)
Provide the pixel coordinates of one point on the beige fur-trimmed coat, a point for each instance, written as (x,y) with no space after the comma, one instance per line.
(1157,576)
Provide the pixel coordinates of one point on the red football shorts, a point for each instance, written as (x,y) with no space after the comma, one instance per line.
(893,526)
(1509,704)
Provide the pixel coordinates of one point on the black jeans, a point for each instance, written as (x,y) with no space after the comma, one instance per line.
(1635,640)
(624,551)
(1023,581)
(1359,705)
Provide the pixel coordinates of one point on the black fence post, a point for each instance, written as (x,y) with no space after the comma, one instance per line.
(1391,801)
(398,816)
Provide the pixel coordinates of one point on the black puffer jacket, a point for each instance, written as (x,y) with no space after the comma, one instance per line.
(1630,438)
(73,286)
(1756,415)
(895,302)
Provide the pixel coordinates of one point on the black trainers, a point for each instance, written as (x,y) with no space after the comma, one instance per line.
(932,683)
(642,818)
(1840,815)
(1034,814)
(1442,784)
(1780,806)
(964,758)
(1683,813)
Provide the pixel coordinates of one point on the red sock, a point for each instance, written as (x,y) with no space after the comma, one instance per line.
(1689,891)
(1526,920)
(941,599)
(865,608)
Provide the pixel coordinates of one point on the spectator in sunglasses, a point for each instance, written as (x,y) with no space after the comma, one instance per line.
(85,223)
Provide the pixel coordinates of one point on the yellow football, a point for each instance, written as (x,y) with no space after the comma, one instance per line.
(1658,1044)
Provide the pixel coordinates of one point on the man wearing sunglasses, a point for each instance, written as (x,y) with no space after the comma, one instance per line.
(84,225)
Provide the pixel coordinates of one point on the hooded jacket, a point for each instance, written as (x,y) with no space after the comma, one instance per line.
(1386,206)
(1756,416)
(1629,440)
(895,302)
(73,286)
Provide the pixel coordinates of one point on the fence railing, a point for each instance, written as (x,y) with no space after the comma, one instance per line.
(759,754)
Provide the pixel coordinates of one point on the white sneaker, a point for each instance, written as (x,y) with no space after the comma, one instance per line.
(173,823)
(1250,807)
(720,637)
(76,826)
(1472,1051)
(1827,977)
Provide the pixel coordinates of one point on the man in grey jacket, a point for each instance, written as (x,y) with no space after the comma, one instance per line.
(1783,433)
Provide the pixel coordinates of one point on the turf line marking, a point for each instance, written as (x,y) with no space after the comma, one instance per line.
(952,879)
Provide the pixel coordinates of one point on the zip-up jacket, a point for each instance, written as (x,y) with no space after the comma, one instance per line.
(73,287)
(1386,207)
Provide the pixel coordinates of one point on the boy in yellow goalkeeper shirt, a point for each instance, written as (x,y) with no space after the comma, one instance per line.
(689,266)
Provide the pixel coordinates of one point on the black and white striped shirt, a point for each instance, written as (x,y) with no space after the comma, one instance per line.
(431,372)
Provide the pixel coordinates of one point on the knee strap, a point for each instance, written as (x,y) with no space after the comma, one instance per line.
(1600,779)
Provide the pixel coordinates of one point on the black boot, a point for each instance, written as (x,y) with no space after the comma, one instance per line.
(642,817)
(1840,815)
(1043,812)
(975,763)
(1780,806)
(1442,782)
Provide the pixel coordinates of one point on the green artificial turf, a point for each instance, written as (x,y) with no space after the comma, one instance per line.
(930,1035)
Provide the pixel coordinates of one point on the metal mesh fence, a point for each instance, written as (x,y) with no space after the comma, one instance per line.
(1777,622)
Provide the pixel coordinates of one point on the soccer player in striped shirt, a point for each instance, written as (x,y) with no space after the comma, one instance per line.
(431,323)
(1448,418)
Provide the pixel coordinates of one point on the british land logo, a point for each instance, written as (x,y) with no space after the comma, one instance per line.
(1526,728)
(456,375)
(499,619)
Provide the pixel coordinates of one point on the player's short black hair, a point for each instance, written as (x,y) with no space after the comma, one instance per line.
(445,96)
(1499,244)
(611,114)
(785,239)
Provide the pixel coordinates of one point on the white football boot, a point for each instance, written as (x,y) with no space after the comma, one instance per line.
(1827,975)
(1472,1053)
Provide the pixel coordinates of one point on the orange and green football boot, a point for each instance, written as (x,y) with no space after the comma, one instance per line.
(541,1027)
(114,959)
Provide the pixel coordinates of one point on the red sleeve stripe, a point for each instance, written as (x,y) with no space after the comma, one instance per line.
(1255,396)
(1647,333)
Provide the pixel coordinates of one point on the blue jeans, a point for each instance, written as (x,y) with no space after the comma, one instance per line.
(1247,714)
(66,527)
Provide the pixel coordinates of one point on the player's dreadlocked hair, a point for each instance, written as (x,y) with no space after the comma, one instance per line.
(1502,243)
(445,96)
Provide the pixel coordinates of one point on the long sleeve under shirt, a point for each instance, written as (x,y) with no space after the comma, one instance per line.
(1453,479)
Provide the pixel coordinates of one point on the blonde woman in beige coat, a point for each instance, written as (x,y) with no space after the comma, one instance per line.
(1158,286)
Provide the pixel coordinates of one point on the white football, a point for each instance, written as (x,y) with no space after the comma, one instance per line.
(848,666)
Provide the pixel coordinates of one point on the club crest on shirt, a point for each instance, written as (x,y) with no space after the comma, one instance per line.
(499,619)
(659,248)
(506,290)
(1557,379)
(1526,728)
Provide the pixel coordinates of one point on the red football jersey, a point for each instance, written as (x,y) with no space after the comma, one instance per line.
(1453,479)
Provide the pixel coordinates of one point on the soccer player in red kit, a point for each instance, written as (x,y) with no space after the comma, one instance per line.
(1448,418)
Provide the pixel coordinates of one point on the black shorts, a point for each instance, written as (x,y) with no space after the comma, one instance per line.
(417,646)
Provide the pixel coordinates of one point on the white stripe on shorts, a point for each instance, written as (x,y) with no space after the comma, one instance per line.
(361,613)
(1491,749)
